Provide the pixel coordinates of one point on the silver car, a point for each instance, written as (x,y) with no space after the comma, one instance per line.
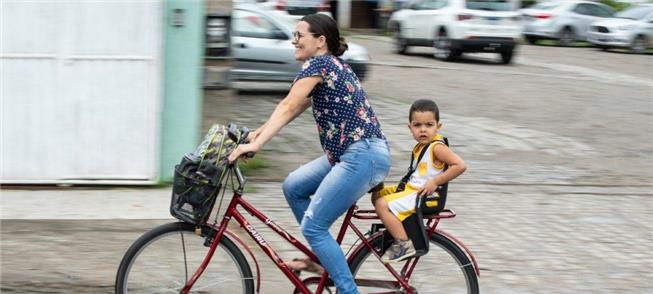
(631,28)
(565,21)
(261,44)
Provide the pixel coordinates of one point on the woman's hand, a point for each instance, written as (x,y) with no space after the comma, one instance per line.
(252,136)
(243,149)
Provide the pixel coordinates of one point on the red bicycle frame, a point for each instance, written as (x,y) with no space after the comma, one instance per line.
(353,212)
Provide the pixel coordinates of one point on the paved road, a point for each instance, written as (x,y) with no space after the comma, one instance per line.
(557,198)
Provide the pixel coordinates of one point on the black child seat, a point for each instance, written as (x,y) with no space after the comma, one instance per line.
(424,207)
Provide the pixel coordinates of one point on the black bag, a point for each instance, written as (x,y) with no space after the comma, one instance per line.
(199,176)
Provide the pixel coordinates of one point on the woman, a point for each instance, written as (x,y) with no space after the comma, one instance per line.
(356,156)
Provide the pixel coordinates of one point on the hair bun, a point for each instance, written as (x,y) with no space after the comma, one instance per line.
(342,47)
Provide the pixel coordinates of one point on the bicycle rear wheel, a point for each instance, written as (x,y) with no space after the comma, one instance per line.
(163,259)
(445,269)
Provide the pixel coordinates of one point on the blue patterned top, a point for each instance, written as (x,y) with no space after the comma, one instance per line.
(340,106)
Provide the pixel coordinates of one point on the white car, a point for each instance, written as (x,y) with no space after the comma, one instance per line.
(261,44)
(453,27)
(294,10)
(565,21)
(631,28)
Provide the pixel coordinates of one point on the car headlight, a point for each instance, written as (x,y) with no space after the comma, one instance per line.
(626,27)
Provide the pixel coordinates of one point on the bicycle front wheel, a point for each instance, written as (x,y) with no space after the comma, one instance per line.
(445,269)
(163,259)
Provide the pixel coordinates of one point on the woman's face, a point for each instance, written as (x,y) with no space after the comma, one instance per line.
(307,44)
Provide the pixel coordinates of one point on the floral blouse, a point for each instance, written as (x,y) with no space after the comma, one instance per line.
(340,106)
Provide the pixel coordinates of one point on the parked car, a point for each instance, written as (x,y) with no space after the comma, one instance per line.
(296,9)
(453,27)
(631,28)
(261,44)
(565,21)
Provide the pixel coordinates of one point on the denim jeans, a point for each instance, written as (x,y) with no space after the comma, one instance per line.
(364,164)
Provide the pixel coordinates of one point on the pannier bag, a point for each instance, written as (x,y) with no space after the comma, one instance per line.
(199,177)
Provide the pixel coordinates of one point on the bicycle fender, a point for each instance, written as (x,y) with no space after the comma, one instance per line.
(467,251)
(251,254)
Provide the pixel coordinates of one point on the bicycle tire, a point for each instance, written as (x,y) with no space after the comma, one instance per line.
(424,279)
(150,266)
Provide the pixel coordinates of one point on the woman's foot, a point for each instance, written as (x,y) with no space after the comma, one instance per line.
(305,264)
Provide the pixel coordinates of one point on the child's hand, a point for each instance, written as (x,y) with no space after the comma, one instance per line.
(428,189)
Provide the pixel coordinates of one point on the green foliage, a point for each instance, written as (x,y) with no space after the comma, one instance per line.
(616,5)
(253,164)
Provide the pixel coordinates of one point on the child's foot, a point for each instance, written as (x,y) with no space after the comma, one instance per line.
(398,251)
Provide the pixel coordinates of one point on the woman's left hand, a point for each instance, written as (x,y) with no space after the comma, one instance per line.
(243,149)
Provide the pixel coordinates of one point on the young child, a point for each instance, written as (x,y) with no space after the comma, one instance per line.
(392,207)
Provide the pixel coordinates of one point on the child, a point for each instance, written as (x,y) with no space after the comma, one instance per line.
(392,207)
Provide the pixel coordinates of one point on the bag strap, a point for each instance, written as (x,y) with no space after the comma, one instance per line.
(412,169)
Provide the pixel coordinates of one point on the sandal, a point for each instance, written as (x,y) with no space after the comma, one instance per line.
(304,264)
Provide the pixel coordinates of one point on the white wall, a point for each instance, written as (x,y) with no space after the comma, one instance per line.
(80,91)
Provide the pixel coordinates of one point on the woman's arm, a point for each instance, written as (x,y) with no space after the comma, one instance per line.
(456,166)
(287,110)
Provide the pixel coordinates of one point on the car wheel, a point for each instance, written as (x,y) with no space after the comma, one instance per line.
(442,48)
(531,39)
(639,45)
(401,45)
(506,57)
(567,37)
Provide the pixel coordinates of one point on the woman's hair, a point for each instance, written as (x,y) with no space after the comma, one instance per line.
(323,25)
(424,105)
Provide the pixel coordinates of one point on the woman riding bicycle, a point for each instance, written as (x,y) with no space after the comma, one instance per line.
(357,156)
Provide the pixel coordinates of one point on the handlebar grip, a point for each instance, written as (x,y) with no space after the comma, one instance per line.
(250,154)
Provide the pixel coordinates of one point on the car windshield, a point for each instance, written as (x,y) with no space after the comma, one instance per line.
(546,5)
(635,13)
(493,5)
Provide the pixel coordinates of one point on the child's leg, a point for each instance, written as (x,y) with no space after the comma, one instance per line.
(390,221)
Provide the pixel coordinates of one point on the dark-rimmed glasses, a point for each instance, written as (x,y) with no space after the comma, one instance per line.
(297,35)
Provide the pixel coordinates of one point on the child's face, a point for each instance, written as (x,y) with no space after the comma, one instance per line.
(424,126)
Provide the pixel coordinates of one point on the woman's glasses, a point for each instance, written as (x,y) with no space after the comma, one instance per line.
(297,35)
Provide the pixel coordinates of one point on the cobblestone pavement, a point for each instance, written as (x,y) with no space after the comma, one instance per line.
(557,198)
(526,238)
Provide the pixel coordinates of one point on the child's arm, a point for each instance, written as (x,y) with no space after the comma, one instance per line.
(456,167)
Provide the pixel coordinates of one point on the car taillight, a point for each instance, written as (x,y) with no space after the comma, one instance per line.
(281,5)
(543,16)
(325,6)
(465,16)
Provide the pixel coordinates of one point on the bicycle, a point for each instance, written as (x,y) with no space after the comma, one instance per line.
(162,259)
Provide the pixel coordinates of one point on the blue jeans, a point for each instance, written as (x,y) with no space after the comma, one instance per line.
(364,164)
